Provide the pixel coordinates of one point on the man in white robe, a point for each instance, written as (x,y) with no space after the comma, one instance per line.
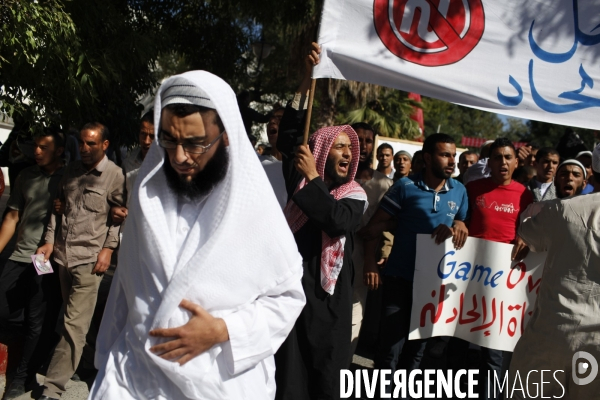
(205,292)
(562,337)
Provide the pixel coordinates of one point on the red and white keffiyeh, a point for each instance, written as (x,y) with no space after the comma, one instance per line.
(332,254)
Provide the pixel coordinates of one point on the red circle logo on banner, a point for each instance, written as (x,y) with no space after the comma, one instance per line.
(429,32)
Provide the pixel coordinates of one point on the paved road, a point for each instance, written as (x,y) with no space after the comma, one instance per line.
(80,390)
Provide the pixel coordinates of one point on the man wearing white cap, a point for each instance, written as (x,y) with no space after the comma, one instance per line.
(571,179)
(402,164)
(187,317)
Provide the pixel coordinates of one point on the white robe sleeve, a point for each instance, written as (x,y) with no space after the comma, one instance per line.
(535,227)
(113,321)
(258,329)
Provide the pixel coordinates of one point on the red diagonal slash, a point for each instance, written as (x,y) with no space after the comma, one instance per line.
(457,47)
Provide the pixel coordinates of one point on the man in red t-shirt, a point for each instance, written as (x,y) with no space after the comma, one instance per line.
(495,204)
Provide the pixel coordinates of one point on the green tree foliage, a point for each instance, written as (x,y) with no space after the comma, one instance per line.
(37,41)
(389,114)
(72,62)
(545,134)
(458,121)
(516,129)
(217,36)
(69,62)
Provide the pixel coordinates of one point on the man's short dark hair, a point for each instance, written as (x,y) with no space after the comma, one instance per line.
(97,126)
(433,139)
(466,153)
(57,135)
(183,110)
(523,170)
(384,146)
(364,126)
(469,153)
(148,117)
(545,152)
(500,143)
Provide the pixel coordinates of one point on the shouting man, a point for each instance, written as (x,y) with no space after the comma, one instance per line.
(495,204)
(571,179)
(199,319)
(324,211)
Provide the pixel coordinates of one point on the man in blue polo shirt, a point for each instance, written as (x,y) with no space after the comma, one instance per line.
(430,203)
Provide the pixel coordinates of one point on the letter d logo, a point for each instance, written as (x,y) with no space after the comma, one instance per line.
(581,368)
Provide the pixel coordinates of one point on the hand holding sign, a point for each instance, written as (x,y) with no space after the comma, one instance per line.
(458,232)
(520,250)
(476,293)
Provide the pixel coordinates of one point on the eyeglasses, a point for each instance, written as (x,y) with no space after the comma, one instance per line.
(187,147)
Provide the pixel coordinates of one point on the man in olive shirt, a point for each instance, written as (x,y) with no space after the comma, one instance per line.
(82,240)
(21,288)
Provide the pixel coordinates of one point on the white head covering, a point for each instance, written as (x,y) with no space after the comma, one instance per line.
(584,153)
(239,248)
(573,162)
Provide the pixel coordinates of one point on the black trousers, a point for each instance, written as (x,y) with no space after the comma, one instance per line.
(394,350)
(318,347)
(490,361)
(25,297)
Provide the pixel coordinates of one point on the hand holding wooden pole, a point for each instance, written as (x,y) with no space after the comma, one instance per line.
(311,60)
(311,97)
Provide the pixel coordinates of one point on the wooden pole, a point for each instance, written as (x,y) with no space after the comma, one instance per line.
(311,97)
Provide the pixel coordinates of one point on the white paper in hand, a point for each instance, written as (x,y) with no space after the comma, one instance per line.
(40,266)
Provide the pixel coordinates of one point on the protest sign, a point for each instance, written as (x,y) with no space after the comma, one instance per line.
(476,293)
(499,56)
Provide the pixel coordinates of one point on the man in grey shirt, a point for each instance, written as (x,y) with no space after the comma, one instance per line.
(82,240)
(21,288)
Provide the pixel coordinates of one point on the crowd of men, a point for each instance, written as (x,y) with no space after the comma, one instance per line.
(209,301)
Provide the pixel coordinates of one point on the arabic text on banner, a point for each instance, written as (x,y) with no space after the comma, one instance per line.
(475,293)
(529,59)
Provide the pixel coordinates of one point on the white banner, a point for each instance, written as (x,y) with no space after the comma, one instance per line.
(476,293)
(535,59)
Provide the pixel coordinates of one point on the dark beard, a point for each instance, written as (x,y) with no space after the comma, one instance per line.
(561,195)
(335,178)
(439,172)
(204,181)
